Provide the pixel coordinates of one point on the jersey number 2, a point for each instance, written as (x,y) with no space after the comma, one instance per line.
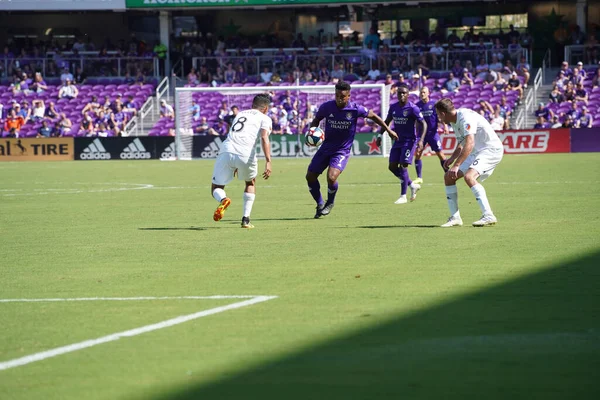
(342,158)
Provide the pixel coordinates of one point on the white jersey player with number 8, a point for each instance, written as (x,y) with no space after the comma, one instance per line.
(478,151)
(238,153)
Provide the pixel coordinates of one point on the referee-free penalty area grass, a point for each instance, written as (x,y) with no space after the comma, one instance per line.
(371,302)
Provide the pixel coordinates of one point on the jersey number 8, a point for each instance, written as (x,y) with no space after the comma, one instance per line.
(240,122)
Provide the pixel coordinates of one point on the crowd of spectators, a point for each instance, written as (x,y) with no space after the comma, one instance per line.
(33,102)
(404,54)
(51,58)
(574,100)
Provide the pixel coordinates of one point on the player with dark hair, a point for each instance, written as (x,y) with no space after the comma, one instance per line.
(432,138)
(405,115)
(478,152)
(238,153)
(341,116)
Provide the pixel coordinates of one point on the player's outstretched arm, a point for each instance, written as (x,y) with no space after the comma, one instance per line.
(266,146)
(383,124)
(315,122)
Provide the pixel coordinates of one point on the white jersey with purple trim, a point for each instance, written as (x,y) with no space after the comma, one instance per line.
(469,122)
(245,133)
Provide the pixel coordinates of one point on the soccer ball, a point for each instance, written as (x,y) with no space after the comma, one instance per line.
(315,136)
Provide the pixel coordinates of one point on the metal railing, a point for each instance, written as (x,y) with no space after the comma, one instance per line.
(161,89)
(390,61)
(546,63)
(131,127)
(520,119)
(581,52)
(92,66)
(146,109)
(537,82)
(529,105)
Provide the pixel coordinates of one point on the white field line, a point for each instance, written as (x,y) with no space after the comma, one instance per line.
(139,186)
(219,297)
(17,362)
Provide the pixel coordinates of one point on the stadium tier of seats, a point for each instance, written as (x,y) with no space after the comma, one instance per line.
(467,96)
(104,89)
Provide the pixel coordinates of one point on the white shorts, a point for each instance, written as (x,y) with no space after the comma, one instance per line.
(483,162)
(226,165)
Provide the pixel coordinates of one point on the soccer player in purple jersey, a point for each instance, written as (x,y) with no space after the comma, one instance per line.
(341,116)
(432,138)
(405,115)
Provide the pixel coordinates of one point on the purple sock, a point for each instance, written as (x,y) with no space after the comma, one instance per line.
(419,167)
(315,190)
(404,181)
(331,192)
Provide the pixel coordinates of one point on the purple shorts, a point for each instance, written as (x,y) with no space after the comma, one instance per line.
(434,142)
(403,152)
(333,159)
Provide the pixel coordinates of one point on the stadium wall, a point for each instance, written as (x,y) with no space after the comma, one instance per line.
(535,141)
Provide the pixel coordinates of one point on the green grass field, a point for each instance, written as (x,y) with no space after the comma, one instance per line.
(374,301)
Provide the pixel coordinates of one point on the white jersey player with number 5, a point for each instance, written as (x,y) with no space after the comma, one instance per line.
(238,153)
(478,151)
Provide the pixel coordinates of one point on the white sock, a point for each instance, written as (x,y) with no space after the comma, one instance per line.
(219,194)
(479,192)
(452,197)
(248,203)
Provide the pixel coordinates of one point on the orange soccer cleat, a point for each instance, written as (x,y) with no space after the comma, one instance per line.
(220,211)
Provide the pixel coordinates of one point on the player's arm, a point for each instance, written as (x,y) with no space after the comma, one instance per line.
(266,146)
(423,132)
(316,121)
(387,122)
(465,149)
(383,124)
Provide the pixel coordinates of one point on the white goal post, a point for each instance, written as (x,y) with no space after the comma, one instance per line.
(308,97)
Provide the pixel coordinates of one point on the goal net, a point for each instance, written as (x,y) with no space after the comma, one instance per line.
(292,110)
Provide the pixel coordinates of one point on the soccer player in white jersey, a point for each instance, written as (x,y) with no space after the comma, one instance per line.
(478,151)
(238,153)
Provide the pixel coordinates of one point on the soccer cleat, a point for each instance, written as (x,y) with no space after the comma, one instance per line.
(326,209)
(318,211)
(401,200)
(246,223)
(485,220)
(418,181)
(220,211)
(414,188)
(453,221)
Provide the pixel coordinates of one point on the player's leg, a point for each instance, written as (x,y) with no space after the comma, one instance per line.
(222,175)
(332,188)
(435,143)
(247,169)
(249,196)
(394,168)
(479,170)
(317,165)
(419,167)
(407,155)
(337,163)
(452,198)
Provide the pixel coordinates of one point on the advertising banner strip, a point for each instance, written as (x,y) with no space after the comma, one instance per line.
(61,5)
(585,140)
(32,149)
(233,3)
(124,148)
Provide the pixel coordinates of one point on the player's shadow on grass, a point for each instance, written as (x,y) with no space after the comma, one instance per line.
(175,228)
(394,226)
(533,337)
